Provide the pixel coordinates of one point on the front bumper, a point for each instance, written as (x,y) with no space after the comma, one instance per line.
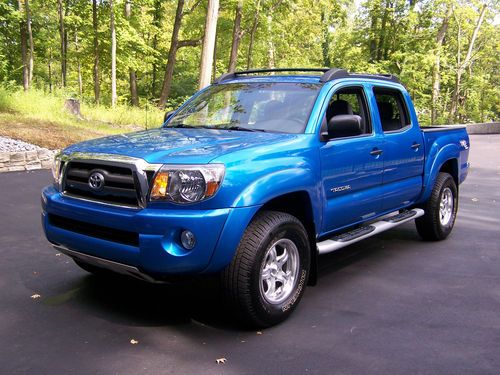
(158,251)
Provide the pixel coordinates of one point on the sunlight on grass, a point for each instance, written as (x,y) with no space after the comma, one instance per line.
(40,118)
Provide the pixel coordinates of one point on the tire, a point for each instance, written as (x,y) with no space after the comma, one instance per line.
(440,210)
(259,283)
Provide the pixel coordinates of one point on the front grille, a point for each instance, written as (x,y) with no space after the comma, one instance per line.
(97,231)
(119,187)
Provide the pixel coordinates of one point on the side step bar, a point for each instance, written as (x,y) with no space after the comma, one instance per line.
(344,239)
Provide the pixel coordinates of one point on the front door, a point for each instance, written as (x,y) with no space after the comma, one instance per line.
(351,165)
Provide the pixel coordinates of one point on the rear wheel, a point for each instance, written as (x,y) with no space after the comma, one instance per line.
(440,210)
(268,275)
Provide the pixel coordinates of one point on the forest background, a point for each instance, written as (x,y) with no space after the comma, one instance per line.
(128,61)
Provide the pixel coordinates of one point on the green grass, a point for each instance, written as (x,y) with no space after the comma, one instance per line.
(40,118)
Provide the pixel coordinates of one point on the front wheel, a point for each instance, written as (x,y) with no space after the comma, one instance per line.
(268,275)
(440,210)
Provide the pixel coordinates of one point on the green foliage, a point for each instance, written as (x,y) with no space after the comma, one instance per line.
(380,36)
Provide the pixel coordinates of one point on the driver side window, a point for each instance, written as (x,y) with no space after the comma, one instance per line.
(343,105)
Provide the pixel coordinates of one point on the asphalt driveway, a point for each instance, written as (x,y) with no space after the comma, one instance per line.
(388,305)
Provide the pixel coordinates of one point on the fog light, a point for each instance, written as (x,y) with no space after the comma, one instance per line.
(188,239)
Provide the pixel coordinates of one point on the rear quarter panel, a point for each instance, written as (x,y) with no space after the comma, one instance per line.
(443,144)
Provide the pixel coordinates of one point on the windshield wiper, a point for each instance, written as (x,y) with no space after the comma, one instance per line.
(192,126)
(242,128)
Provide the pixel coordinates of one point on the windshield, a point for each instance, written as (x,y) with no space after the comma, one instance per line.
(273,107)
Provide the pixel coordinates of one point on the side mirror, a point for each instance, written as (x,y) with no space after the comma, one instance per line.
(168,115)
(344,126)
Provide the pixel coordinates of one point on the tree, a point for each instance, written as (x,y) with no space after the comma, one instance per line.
(462,65)
(78,65)
(64,45)
(113,53)
(97,90)
(325,44)
(157,18)
(207,52)
(237,35)
(134,98)
(24,51)
(253,31)
(436,77)
(175,44)
(30,38)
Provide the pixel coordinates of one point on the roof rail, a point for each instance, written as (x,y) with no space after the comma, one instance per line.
(382,76)
(232,75)
(328,74)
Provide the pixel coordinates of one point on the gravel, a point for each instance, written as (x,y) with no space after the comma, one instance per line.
(14,145)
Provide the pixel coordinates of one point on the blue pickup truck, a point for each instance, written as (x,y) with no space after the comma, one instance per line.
(253,178)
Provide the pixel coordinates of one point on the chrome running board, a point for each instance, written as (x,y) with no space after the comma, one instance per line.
(348,238)
(120,268)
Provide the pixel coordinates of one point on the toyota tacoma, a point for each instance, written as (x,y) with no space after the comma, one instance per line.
(253,178)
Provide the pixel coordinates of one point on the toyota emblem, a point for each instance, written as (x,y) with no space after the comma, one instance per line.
(96,180)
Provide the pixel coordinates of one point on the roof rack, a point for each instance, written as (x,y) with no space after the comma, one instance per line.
(328,74)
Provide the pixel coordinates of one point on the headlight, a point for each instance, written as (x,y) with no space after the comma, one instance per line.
(56,168)
(187,183)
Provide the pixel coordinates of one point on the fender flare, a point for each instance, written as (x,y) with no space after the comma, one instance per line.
(436,159)
(251,200)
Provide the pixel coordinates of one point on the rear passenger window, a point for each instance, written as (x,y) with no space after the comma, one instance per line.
(392,109)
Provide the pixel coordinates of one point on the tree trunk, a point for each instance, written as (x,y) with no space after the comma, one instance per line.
(97,89)
(207,51)
(62,35)
(325,44)
(175,44)
(172,53)
(373,36)
(157,24)
(50,70)
(78,65)
(383,32)
(24,49)
(271,63)
(113,53)
(436,76)
(252,35)
(134,98)
(30,38)
(237,34)
(462,66)
(214,59)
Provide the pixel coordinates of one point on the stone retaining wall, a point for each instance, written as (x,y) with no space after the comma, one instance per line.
(26,160)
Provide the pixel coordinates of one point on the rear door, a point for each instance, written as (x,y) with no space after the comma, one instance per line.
(351,166)
(403,149)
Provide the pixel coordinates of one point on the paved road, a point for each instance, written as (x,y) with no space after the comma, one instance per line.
(389,305)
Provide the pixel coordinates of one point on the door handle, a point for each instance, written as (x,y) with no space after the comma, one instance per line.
(415,145)
(376,152)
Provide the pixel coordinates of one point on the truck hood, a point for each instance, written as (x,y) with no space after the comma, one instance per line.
(178,146)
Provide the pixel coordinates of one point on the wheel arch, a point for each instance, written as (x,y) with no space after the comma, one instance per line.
(299,204)
(446,160)
(450,166)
